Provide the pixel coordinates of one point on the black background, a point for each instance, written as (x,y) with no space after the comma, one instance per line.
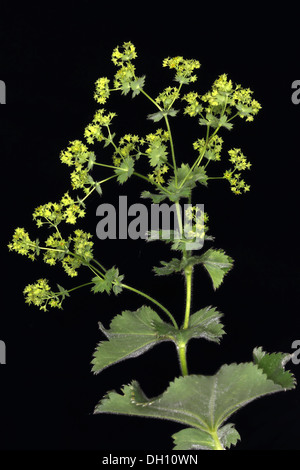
(49,60)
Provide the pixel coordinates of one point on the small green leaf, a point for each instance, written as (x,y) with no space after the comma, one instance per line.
(158,155)
(125,170)
(217,264)
(161,114)
(130,335)
(169,267)
(92,159)
(109,140)
(137,85)
(63,292)
(155,117)
(273,366)
(193,439)
(206,324)
(111,280)
(156,198)
(196,439)
(223,123)
(228,435)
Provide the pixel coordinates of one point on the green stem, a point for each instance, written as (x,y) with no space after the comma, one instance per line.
(188,276)
(100,265)
(181,348)
(152,101)
(180,227)
(172,148)
(107,166)
(98,182)
(153,301)
(215,437)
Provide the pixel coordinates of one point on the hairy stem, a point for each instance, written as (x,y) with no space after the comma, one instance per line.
(181,348)
(188,278)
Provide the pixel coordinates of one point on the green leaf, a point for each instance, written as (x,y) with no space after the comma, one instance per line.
(130,335)
(203,402)
(228,435)
(196,439)
(109,140)
(91,161)
(125,170)
(111,280)
(161,114)
(168,267)
(205,323)
(217,264)
(186,181)
(155,117)
(63,292)
(133,333)
(273,366)
(156,198)
(215,122)
(158,155)
(193,439)
(137,85)
(223,123)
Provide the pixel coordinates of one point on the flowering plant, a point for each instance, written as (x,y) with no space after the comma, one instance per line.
(203,404)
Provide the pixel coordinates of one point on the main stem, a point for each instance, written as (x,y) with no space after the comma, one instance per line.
(188,278)
(181,348)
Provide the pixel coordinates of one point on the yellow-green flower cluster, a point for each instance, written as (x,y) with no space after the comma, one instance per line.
(125,78)
(79,156)
(246,106)
(167,97)
(82,252)
(157,175)
(184,68)
(224,95)
(57,248)
(22,244)
(41,295)
(102,91)
(240,163)
(220,93)
(194,107)
(128,147)
(197,225)
(76,154)
(77,250)
(211,149)
(94,129)
(126,54)
(53,213)
(72,253)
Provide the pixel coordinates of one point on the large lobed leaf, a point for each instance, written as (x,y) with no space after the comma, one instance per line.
(133,333)
(206,402)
